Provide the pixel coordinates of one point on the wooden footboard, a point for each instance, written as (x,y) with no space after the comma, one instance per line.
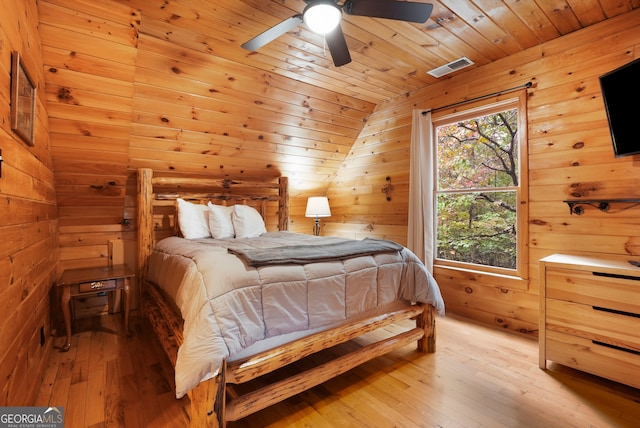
(213,403)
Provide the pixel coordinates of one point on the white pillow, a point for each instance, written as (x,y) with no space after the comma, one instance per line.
(220,223)
(193,220)
(247,222)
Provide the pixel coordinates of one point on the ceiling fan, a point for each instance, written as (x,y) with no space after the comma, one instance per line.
(323,17)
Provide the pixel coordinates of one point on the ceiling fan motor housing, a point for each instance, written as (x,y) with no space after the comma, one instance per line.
(322,16)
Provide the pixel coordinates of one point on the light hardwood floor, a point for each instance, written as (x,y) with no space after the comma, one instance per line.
(479,377)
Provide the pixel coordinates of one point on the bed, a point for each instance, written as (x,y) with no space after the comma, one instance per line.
(278,303)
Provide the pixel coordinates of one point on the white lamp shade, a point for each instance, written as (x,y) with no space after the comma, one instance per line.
(318,206)
(322,18)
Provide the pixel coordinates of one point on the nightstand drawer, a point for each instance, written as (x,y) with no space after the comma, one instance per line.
(86,287)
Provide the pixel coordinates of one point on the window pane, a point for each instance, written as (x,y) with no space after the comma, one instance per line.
(479,153)
(478,228)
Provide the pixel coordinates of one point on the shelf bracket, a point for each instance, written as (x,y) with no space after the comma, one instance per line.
(604,205)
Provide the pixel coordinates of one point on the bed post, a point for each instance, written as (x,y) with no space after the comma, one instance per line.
(208,401)
(283,203)
(145,223)
(427,321)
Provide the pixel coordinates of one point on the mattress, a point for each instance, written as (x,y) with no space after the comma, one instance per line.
(229,306)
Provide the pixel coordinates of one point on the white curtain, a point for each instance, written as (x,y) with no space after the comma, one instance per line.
(421,222)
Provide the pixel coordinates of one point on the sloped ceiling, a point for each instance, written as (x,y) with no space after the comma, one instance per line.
(389,57)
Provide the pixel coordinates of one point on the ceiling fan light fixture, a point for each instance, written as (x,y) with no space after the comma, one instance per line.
(324,16)
(321,17)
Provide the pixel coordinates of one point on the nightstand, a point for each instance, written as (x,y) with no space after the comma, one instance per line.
(87,282)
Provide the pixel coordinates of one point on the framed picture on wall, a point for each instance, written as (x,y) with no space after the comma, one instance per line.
(23,100)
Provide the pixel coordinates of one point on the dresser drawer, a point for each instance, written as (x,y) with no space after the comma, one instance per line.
(583,354)
(618,292)
(85,287)
(619,329)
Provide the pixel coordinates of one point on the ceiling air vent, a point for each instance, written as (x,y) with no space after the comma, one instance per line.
(451,67)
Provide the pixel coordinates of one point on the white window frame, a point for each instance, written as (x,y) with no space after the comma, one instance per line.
(476,110)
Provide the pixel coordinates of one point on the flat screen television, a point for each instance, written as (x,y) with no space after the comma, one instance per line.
(621,94)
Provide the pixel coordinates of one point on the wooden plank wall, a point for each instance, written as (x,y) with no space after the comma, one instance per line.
(199,108)
(89,50)
(137,83)
(570,156)
(28,224)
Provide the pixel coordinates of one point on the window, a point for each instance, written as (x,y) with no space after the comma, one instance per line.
(480,197)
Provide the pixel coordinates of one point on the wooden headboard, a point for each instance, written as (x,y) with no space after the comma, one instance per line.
(157,195)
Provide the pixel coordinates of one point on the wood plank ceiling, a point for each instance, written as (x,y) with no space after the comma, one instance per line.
(389,57)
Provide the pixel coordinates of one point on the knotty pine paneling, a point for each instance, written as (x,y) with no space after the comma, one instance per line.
(89,54)
(196,111)
(570,156)
(28,220)
(243,126)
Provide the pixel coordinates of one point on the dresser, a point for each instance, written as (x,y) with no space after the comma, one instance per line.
(590,316)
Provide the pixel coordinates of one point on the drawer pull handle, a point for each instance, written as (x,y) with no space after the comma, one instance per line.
(615,311)
(619,348)
(616,275)
(97,285)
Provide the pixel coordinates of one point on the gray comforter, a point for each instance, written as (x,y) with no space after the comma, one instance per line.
(229,306)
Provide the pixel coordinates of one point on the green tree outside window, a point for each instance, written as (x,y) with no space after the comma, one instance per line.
(476,194)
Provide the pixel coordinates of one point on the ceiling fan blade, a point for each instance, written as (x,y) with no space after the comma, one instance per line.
(273,33)
(390,9)
(338,47)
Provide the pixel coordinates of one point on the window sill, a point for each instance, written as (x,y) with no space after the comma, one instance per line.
(498,280)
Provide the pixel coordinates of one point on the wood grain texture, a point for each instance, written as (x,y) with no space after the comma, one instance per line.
(89,55)
(209,405)
(589,316)
(199,103)
(494,382)
(570,157)
(28,225)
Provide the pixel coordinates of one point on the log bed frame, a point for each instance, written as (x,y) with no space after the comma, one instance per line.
(215,401)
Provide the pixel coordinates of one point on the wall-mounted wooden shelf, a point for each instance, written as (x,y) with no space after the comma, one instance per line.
(575,206)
